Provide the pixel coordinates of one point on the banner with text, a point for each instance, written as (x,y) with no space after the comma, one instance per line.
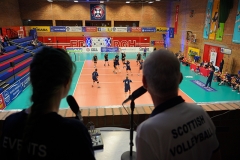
(236,32)
(176,19)
(58,29)
(135,49)
(73,29)
(208,19)
(104,29)
(109,49)
(2,103)
(171,32)
(16,89)
(89,29)
(41,28)
(134,29)
(215,18)
(120,29)
(148,29)
(162,29)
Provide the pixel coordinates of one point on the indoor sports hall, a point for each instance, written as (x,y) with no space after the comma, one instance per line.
(199,33)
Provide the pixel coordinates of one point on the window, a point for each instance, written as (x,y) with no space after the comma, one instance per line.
(37,22)
(98,23)
(126,23)
(68,23)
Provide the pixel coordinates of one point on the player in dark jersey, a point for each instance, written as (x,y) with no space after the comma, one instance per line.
(95,78)
(127,87)
(95,59)
(128,67)
(139,57)
(106,59)
(114,66)
(140,66)
(123,58)
(144,52)
(117,61)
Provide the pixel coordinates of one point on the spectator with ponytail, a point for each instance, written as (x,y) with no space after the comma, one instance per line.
(39,132)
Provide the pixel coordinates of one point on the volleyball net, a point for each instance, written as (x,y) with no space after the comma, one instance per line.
(87,53)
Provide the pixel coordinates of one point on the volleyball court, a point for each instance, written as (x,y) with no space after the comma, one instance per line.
(111,92)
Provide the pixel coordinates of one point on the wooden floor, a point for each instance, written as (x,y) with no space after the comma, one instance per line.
(111,91)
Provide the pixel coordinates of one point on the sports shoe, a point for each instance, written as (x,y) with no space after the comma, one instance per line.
(238,92)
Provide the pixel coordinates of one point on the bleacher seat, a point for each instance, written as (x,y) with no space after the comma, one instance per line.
(18,67)
(11,54)
(21,40)
(10,48)
(16,59)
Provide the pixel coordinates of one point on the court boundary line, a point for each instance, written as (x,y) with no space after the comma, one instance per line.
(187,95)
(107,82)
(78,78)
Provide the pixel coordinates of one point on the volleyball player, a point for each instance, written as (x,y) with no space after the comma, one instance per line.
(140,66)
(95,78)
(123,58)
(138,58)
(95,59)
(144,52)
(114,66)
(106,59)
(127,87)
(128,67)
(117,60)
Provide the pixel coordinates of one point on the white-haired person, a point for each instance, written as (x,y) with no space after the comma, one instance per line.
(175,129)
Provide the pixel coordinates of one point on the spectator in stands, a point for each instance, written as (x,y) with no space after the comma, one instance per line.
(225,79)
(6,39)
(174,126)
(34,43)
(1,49)
(221,65)
(39,132)
(197,70)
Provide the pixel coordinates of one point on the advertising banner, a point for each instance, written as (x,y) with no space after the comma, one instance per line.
(176,19)
(135,49)
(148,29)
(134,29)
(89,29)
(162,29)
(220,31)
(15,90)
(58,29)
(73,29)
(208,19)
(74,49)
(104,29)
(120,29)
(215,18)
(193,51)
(160,42)
(109,49)
(171,32)
(213,58)
(41,28)
(2,103)
(92,49)
(98,11)
(236,32)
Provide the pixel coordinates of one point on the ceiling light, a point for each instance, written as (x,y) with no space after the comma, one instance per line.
(158,0)
(75,1)
(101,1)
(50,0)
(150,2)
(127,1)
